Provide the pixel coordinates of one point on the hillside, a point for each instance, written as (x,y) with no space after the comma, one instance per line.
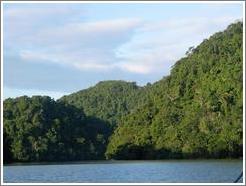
(107,100)
(196,112)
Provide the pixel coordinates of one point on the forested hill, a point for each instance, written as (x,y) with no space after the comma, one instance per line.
(197,111)
(41,129)
(107,100)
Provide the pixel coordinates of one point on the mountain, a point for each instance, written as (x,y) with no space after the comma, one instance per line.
(195,112)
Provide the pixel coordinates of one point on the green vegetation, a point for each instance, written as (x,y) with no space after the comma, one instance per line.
(196,112)
(108,100)
(40,129)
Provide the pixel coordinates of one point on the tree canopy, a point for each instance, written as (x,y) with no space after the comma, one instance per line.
(41,129)
(195,112)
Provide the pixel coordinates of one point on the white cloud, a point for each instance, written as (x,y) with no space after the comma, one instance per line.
(126,44)
(61,59)
(84,46)
(115,25)
(134,68)
(86,34)
(157,46)
(152,48)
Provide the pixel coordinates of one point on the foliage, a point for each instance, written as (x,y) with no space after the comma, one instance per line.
(40,129)
(108,100)
(196,112)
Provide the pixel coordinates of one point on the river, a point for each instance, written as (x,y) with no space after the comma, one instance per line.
(166,171)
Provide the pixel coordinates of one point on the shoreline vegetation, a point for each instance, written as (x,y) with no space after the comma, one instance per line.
(194,113)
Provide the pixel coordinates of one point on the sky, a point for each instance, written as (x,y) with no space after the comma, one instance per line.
(55,49)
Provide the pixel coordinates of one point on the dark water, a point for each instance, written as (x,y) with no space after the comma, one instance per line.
(225,171)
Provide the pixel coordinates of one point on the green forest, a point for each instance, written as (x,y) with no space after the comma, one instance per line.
(195,112)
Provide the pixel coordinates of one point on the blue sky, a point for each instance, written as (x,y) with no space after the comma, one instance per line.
(55,49)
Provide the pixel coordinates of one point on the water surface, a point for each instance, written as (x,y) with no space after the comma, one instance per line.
(168,171)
